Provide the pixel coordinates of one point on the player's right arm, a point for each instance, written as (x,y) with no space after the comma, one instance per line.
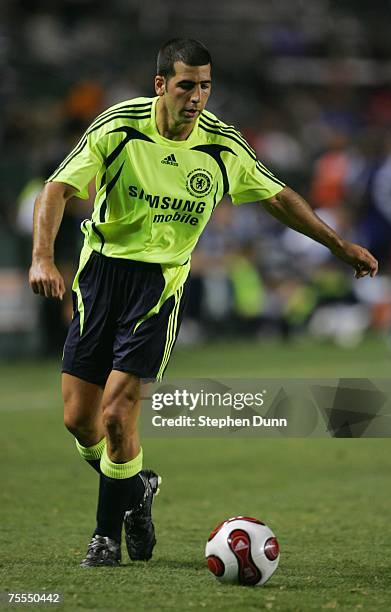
(72,177)
(44,276)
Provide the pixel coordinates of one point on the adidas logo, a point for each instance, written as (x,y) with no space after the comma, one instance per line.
(170,160)
(241,545)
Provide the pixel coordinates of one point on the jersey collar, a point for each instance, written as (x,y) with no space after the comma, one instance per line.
(191,139)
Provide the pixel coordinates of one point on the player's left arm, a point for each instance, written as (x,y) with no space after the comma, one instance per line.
(291,209)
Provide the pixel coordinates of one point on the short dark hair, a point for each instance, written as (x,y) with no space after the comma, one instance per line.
(187,50)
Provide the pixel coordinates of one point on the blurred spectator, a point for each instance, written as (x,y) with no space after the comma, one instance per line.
(330,172)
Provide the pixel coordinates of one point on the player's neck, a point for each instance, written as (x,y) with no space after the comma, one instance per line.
(168,127)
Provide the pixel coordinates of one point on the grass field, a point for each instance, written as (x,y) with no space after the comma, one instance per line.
(328,500)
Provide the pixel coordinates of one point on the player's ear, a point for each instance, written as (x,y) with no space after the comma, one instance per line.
(160,85)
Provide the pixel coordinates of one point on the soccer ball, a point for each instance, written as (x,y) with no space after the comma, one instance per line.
(242,550)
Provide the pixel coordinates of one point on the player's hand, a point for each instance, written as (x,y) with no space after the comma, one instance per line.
(359,258)
(45,279)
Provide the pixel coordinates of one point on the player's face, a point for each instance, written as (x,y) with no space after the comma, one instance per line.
(186,93)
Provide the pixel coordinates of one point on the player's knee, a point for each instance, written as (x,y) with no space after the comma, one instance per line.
(118,416)
(76,423)
(111,420)
(119,404)
(114,418)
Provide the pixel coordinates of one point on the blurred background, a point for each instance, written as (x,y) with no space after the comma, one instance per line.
(308,85)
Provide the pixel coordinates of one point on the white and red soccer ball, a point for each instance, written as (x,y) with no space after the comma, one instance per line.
(242,550)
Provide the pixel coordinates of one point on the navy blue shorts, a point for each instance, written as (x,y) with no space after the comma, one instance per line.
(125,318)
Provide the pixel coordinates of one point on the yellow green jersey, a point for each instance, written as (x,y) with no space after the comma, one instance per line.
(154,196)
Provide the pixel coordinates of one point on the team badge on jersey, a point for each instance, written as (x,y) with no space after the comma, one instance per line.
(199,182)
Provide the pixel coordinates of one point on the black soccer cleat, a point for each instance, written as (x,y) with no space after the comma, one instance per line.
(139,528)
(102,551)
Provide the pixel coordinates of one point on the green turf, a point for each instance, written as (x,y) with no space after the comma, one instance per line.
(327,500)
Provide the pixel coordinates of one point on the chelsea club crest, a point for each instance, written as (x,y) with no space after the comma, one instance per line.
(199,182)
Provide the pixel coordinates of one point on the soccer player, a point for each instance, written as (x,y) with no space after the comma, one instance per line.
(161,166)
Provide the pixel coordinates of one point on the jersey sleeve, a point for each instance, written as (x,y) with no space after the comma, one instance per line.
(251,181)
(81,165)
